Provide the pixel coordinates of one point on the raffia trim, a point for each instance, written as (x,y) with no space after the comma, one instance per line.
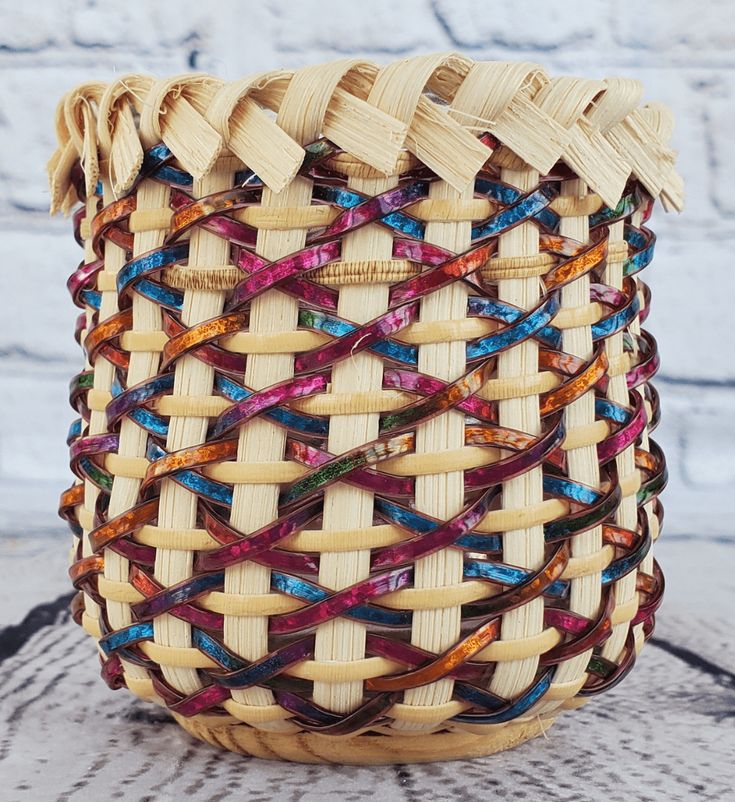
(360,403)
(603,145)
(223,277)
(502,267)
(365,271)
(505,158)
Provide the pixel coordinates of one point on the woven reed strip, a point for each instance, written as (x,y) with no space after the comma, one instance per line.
(646,565)
(582,462)
(76,106)
(627,513)
(255,505)
(146,315)
(521,547)
(178,505)
(133,438)
(275,311)
(346,506)
(97,421)
(299,341)
(568,97)
(441,494)
(624,94)
(336,540)
(103,369)
(314,216)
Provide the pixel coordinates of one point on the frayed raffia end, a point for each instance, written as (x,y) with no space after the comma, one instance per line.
(59,166)
(76,124)
(58,169)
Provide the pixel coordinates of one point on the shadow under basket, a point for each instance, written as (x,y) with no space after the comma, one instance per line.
(364,467)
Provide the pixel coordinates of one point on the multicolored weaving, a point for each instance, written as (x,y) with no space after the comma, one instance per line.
(415,469)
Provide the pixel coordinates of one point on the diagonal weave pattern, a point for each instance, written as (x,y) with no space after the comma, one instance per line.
(363,446)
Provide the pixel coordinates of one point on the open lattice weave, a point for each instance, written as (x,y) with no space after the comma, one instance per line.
(364,438)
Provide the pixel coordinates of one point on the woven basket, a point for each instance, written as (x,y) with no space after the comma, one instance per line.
(363,462)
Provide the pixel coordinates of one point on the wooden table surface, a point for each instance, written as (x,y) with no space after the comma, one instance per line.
(667,732)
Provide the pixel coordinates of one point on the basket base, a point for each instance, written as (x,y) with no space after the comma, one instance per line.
(366,749)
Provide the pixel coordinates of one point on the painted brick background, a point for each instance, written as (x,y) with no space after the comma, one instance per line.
(682,52)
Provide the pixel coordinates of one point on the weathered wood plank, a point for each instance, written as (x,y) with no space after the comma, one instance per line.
(667,732)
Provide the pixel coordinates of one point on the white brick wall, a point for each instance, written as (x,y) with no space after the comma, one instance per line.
(684,53)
